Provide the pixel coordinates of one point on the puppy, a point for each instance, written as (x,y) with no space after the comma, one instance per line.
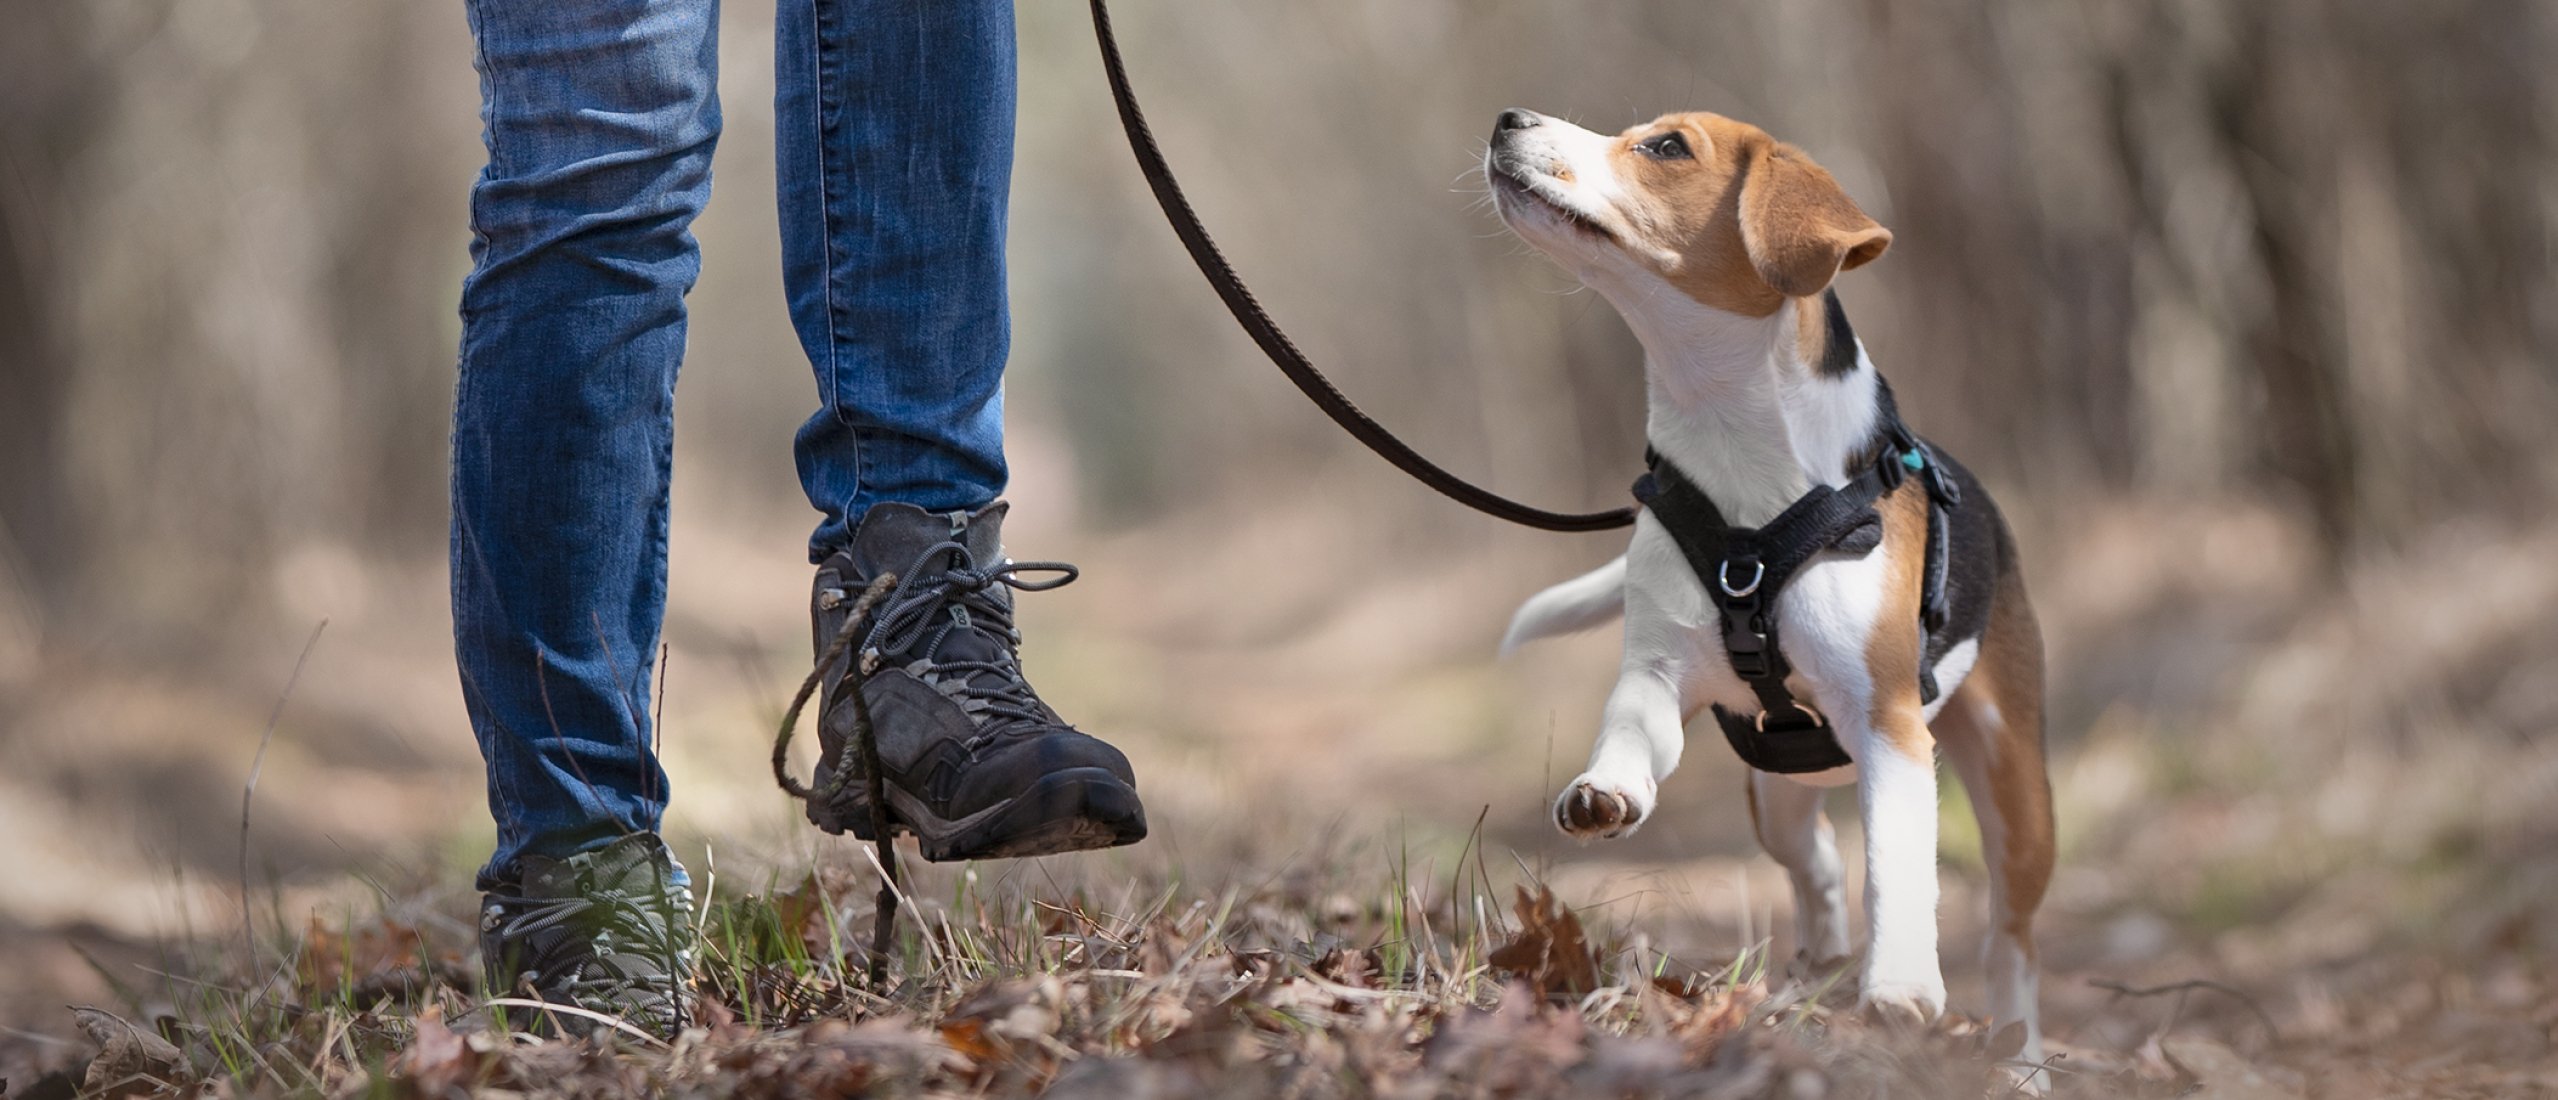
(1718,244)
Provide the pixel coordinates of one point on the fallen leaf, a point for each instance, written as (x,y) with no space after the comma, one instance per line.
(1017,1011)
(382,960)
(1686,988)
(2007,1043)
(1520,1048)
(439,1061)
(2221,1073)
(1348,967)
(130,1061)
(1551,953)
(802,915)
(1717,1018)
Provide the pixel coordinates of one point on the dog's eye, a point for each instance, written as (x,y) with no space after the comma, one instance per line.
(1665,147)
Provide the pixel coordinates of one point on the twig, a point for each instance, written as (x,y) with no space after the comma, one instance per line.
(614,1022)
(2048,1067)
(2272,1034)
(886,903)
(249,790)
(35,1037)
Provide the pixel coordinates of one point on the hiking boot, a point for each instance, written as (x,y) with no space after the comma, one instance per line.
(608,931)
(973,763)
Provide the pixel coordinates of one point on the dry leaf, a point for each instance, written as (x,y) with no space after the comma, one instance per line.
(1550,953)
(438,1062)
(385,959)
(1348,967)
(130,1060)
(1520,1048)
(2221,1073)
(2007,1043)
(802,914)
(1720,1015)
(1021,1010)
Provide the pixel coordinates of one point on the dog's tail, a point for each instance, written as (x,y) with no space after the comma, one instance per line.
(1577,604)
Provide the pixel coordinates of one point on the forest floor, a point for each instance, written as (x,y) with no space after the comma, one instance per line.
(2306,852)
(1355,968)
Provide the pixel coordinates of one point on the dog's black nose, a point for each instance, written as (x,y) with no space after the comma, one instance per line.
(1516,118)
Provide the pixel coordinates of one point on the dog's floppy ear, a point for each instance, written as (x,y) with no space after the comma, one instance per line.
(1799,226)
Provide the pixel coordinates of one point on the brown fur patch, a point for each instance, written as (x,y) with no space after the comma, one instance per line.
(1811,331)
(1892,654)
(2009,676)
(1747,221)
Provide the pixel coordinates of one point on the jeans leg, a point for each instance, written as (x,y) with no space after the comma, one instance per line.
(895,136)
(600,117)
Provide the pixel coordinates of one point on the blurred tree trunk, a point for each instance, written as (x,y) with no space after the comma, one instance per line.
(51,84)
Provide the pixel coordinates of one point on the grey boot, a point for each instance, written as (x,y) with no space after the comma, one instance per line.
(609,931)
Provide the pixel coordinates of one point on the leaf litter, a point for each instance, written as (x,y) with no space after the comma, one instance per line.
(1290,989)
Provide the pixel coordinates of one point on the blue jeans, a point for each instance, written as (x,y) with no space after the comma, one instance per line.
(895,122)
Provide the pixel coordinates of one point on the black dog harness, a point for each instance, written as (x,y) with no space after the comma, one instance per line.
(1744,569)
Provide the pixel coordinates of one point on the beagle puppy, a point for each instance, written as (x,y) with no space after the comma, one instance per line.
(1718,244)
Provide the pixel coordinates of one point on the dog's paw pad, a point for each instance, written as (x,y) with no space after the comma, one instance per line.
(1590,810)
(1902,1003)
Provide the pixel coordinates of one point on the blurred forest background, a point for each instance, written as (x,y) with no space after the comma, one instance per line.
(2248,310)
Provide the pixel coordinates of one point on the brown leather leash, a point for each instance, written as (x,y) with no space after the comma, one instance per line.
(1283,351)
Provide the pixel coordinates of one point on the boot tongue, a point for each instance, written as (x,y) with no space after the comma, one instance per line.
(892,536)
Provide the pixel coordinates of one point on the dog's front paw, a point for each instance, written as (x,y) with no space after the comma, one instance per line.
(1903,1002)
(1596,808)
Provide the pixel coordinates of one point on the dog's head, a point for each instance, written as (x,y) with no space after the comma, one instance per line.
(1732,217)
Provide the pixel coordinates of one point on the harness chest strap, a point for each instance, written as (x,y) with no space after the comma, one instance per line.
(1743,570)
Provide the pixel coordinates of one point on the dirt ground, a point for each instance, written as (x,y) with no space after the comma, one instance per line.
(2326,796)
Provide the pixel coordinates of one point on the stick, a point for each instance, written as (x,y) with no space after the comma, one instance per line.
(2121,990)
(248,791)
(615,1022)
(886,903)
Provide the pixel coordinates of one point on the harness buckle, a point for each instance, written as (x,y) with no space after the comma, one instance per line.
(1723,578)
(1752,665)
(1812,719)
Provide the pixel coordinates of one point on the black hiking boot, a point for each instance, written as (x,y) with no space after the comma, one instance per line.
(973,763)
(608,931)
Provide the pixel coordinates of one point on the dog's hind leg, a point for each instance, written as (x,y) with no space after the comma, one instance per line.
(1791,826)
(1992,735)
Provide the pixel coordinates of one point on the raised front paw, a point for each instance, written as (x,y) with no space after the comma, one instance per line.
(1596,808)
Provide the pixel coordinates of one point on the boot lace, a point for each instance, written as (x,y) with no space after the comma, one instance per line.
(926,608)
(593,941)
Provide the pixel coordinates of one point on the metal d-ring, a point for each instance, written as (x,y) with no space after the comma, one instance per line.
(1808,712)
(1723,578)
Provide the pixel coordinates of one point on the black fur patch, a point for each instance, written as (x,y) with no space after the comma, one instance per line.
(1838,355)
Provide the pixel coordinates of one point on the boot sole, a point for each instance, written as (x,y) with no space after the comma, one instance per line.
(1076,810)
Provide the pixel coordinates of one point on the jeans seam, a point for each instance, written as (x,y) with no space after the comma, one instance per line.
(488,73)
(832,389)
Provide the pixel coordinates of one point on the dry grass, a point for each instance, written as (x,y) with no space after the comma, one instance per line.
(2267,783)
(1307,984)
